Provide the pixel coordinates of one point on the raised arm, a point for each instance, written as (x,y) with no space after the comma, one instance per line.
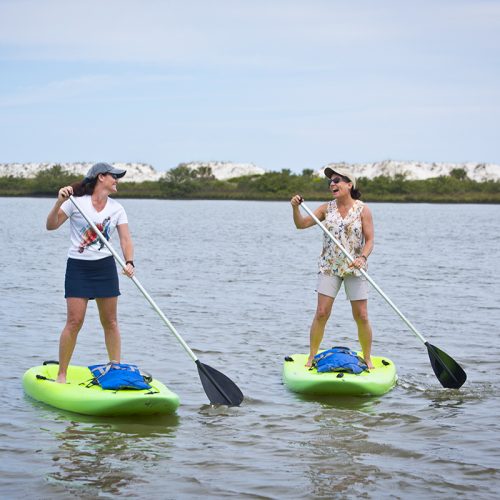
(56,216)
(301,221)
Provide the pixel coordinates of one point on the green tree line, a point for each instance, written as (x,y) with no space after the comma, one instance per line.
(182,182)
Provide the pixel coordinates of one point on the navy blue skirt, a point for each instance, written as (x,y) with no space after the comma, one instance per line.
(91,279)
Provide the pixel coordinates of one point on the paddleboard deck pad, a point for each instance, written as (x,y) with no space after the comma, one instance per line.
(76,396)
(298,378)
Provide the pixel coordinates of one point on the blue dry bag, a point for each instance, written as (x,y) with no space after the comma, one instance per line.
(116,376)
(339,359)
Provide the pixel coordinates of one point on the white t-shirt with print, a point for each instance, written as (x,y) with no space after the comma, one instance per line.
(85,244)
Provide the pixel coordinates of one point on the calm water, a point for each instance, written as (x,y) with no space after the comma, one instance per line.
(238,281)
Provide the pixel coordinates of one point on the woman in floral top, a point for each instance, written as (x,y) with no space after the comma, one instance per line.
(350,221)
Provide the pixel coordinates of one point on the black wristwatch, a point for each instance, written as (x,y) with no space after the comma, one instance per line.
(130,262)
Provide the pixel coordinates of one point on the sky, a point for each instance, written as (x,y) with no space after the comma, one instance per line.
(278,83)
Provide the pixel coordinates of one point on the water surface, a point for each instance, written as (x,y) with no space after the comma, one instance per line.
(237,280)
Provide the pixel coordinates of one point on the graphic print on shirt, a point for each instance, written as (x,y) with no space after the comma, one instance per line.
(89,237)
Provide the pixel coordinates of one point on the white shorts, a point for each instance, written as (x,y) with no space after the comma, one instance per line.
(356,287)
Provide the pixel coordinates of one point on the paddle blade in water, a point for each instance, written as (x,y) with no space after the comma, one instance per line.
(221,390)
(447,370)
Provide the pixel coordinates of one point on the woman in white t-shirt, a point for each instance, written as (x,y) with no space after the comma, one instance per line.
(351,222)
(91,270)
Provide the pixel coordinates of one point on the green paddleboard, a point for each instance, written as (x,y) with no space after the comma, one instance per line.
(75,396)
(303,380)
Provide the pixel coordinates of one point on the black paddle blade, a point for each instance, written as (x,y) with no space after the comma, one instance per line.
(221,390)
(447,370)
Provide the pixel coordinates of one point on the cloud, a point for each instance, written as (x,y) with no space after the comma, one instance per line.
(226,32)
(348,38)
(240,75)
(94,87)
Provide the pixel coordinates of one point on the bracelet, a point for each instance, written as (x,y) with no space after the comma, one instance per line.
(364,257)
(131,262)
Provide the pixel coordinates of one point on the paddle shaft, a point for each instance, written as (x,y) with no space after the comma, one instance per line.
(364,273)
(136,282)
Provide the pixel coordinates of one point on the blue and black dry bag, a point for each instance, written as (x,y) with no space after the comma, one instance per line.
(339,359)
(116,376)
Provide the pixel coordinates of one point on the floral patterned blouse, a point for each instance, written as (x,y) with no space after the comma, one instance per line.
(349,231)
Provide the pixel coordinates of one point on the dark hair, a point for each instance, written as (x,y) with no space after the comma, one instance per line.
(355,194)
(84,187)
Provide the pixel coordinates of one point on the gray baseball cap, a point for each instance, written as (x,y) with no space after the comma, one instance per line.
(103,168)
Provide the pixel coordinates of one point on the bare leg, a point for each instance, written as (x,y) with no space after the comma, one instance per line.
(323,311)
(76,308)
(360,315)
(108,316)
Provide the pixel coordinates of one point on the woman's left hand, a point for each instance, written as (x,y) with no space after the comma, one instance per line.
(129,270)
(358,263)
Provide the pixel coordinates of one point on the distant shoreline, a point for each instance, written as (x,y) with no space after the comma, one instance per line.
(281,200)
(226,170)
(184,184)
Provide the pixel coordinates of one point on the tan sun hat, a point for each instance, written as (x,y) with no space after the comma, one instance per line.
(343,172)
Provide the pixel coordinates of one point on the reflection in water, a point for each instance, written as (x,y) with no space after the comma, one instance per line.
(363,404)
(348,450)
(336,449)
(100,455)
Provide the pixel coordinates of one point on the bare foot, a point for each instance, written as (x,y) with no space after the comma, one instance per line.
(61,379)
(369,364)
(309,362)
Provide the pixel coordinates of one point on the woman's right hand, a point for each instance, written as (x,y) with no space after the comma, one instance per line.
(296,200)
(64,193)
(57,216)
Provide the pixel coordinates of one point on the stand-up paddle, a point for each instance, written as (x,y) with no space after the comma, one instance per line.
(447,370)
(219,388)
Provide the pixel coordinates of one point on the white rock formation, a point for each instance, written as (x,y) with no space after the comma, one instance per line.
(223,170)
(136,172)
(414,170)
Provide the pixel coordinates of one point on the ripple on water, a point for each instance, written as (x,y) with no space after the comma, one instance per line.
(241,293)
